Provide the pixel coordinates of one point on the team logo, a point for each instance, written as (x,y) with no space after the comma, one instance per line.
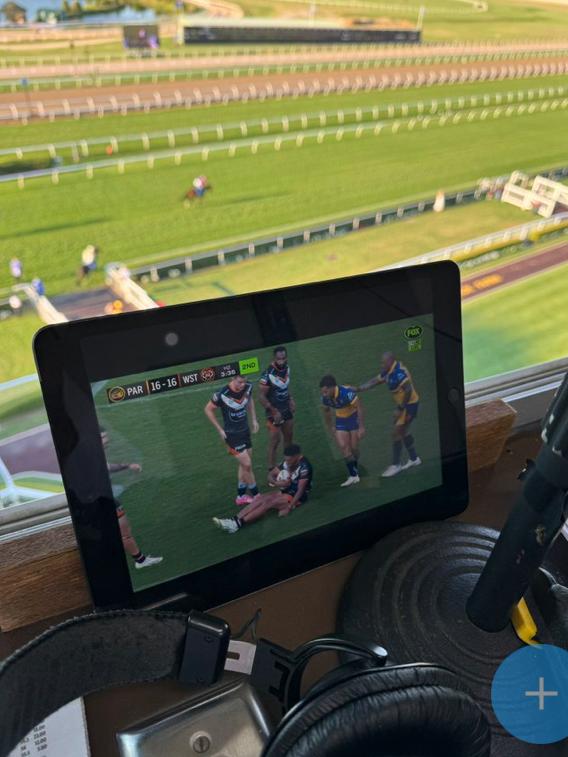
(116,394)
(207,374)
(413,332)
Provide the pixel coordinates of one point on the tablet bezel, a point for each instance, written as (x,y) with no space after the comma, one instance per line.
(127,341)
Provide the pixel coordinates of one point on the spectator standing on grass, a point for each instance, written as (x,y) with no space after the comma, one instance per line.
(16,269)
(88,262)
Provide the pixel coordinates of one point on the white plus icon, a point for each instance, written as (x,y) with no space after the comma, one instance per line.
(541,693)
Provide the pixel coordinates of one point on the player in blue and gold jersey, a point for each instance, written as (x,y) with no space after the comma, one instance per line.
(349,426)
(399,382)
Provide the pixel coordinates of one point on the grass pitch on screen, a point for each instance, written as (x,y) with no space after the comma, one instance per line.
(188,477)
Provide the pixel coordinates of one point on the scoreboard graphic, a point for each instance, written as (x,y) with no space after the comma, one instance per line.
(187,379)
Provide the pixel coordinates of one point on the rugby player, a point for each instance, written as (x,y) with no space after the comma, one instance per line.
(237,404)
(399,382)
(294,489)
(129,543)
(278,403)
(349,425)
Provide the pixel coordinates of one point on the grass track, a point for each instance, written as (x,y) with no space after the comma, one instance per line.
(517,326)
(16,335)
(36,132)
(140,214)
(344,256)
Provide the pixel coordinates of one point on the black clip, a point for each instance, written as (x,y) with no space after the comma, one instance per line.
(205,651)
(278,671)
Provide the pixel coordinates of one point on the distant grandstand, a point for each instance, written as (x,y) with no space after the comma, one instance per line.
(207,30)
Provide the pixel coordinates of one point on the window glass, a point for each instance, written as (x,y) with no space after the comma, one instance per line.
(137,169)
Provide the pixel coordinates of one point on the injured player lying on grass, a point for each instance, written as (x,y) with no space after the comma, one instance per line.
(293,477)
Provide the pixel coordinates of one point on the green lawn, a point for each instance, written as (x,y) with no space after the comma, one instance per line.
(139,215)
(347,255)
(51,485)
(518,326)
(187,478)
(16,335)
(21,407)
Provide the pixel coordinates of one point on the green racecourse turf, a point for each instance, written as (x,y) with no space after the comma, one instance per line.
(44,132)
(16,335)
(519,325)
(140,215)
(187,476)
(348,255)
(503,330)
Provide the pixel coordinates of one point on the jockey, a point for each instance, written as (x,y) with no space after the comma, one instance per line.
(200,185)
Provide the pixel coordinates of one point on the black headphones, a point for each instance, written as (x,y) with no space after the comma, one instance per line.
(362,708)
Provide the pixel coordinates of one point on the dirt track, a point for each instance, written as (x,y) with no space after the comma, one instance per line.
(226,61)
(508,273)
(171,94)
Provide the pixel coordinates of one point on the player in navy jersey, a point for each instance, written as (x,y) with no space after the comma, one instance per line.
(237,406)
(294,479)
(349,427)
(278,403)
(398,381)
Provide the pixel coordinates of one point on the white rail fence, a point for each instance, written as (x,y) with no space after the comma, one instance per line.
(222,130)
(37,83)
(100,106)
(527,45)
(298,139)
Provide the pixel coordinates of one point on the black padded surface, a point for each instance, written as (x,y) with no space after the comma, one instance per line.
(401,711)
(81,656)
(408,593)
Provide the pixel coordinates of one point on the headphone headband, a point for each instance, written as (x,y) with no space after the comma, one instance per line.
(97,651)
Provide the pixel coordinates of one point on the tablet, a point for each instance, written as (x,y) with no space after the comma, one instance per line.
(214,448)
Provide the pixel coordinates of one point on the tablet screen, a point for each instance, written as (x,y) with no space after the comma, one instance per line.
(216,458)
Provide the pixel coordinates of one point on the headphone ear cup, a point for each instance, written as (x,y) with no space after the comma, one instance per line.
(402,711)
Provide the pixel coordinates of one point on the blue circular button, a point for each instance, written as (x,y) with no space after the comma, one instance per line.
(530,694)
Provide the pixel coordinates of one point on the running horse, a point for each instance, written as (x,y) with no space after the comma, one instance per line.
(199,187)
